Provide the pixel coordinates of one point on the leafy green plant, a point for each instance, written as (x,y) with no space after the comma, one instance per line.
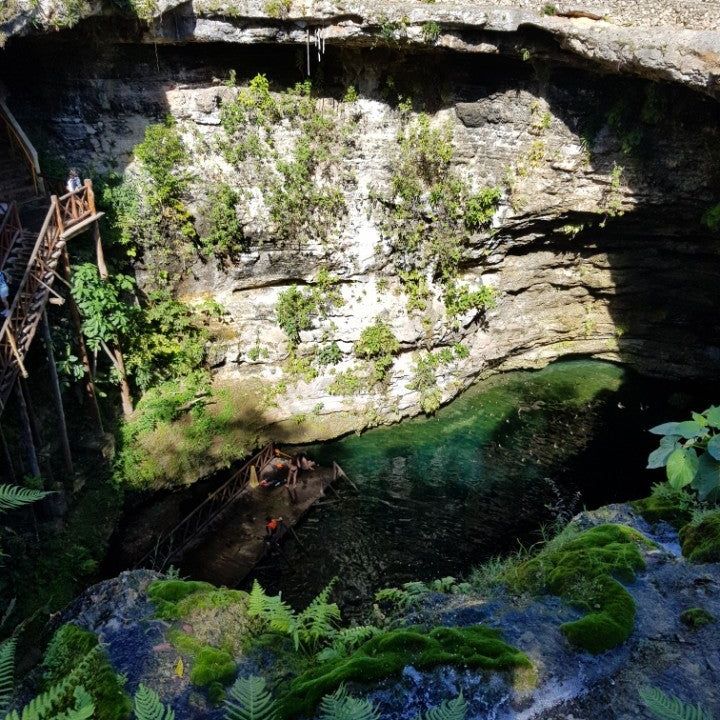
(668,707)
(455,709)
(341,706)
(459,299)
(225,236)
(7,672)
(378,343)
(431,31)
(249,699)
(690,453)
(147,706)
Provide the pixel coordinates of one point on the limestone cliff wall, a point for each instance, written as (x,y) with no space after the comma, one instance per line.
(584,259)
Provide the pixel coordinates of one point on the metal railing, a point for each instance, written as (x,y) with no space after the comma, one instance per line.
(192,526)
(20,140)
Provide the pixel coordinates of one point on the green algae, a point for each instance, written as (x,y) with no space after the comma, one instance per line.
(700,539)
(696,618)
(387,654)
(584,570)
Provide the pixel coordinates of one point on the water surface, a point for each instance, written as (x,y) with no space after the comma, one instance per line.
(438,496)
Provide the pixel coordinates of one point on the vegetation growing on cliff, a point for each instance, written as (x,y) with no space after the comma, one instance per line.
(302,185)
(431,213)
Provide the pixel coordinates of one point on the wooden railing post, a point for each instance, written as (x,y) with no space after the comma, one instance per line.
(90,196)
(58,215)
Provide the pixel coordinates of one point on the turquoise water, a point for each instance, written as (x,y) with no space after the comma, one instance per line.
(440,495)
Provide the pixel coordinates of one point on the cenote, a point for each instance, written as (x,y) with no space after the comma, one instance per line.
(510,459)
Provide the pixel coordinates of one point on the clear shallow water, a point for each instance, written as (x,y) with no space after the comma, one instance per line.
(440,495)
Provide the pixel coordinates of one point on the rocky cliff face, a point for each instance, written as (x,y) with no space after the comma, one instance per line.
(601,141)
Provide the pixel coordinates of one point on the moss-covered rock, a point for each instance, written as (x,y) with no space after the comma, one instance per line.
(387,654)
(696,617)
(700,539)
(168,596)
(74,651)
(666,504)
(584,570)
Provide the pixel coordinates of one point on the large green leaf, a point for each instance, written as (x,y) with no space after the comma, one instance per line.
(669,428)
(707,480)
(713,447)
(691,429)
(713,416)
(658,457)
(682,465)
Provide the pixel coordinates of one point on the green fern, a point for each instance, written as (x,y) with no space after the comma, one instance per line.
(341,706)
(667,707)
(318,621)
(7,671)
(449,710)
(149,707)
(13,496)
(44,706)
(347,640)
(83,709)
(249,699)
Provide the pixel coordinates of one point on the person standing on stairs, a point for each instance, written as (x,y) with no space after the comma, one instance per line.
(73,181)
(5,293)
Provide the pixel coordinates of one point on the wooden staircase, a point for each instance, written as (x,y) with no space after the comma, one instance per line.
(31,262)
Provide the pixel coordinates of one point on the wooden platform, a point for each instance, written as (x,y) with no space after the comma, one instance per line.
(235,545)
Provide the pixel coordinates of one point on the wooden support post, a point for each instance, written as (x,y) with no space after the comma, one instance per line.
(82,348)
(116,352)
(26,436)
(8,468)
(35,428)
(57,394)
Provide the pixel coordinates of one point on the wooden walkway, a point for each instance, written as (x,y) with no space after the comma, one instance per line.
(237,543)
(223,537)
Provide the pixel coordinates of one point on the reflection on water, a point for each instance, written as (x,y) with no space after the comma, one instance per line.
(440,495)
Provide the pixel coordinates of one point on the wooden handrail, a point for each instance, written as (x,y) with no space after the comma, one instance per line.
(17,134)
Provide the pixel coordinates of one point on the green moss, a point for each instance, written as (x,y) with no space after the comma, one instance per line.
(169,594)
(666,503)
(701,539)
(583,571)
(696,617)
(212,666)
(68,652)
(387,654)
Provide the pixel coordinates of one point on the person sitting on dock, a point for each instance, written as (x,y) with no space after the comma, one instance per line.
(73,182)
(306,464)
(274,474)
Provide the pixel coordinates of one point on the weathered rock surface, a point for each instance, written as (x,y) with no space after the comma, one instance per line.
(564,684)
(596,249)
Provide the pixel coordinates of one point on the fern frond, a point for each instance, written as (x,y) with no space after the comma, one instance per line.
(249,699)
(348,639)
(13,496)
(149,707)
(84,707)
(7,673)
(341,706)
(668,707)
(256,600)
(449,710)
(42,706)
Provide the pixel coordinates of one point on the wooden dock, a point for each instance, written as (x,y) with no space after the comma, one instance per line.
(237,543)
(223,537)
